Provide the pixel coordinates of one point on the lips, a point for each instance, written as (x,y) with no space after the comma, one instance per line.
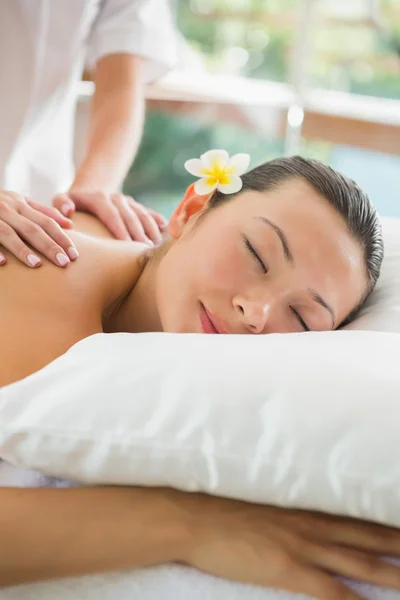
(209,323)
(205,321)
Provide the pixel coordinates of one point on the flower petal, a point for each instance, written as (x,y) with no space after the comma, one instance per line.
(203,186)
(238,164)
(195,167)
(214,157)
(235,184)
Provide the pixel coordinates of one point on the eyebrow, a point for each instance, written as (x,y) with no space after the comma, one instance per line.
(286,250)
(315,296)
(289,257)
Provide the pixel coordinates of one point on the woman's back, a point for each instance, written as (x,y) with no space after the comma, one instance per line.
(45,311)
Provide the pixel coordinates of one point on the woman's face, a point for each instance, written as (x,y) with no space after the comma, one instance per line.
(275,262)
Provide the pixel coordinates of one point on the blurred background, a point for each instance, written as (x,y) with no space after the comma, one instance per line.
(275,77)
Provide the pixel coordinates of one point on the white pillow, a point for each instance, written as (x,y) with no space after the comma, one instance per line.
(381,312)
(304,420)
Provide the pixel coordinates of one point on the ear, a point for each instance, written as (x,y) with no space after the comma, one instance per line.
(190,205)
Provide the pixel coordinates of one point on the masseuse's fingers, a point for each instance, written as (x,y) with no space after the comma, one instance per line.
(101,205)
(51,212)
(113,220)
(140,224)
(161,221)
(149,223)
(9,205)
(19,228)
(131,219)
(64,204)
(23,220)
(125,218)
(10,240)
(52,244)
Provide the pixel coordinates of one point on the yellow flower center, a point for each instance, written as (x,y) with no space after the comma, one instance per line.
(217,174)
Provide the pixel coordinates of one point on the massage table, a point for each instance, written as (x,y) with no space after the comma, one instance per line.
(168,582)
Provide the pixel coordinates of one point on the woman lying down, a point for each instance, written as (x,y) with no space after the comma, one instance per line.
(291,246)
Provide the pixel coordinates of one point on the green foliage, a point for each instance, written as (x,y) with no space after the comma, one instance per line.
(158,177)
(341,57)
(364,58)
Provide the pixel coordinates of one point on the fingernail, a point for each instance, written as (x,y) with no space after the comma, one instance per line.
(65,209)
(149,242)
(72,253)
(33,260)
(2,258)
(62,259)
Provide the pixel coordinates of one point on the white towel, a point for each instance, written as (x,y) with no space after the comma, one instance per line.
(169,582)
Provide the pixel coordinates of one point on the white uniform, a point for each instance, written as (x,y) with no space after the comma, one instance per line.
(44,45)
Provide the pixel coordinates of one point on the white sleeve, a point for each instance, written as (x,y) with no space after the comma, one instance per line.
(141,27)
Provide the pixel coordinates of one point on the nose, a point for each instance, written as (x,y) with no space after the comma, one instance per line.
(253,313)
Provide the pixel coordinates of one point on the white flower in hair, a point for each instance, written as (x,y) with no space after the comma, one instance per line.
(218,172)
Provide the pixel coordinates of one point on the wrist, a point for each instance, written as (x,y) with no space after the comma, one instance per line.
(174,524)
(157,527)
(87,179)
(193,519)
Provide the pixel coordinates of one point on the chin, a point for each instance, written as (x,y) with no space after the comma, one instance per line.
(178,327)
(182,329)
(176,319)
(170,325)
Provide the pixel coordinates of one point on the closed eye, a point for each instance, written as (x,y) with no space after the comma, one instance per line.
(301,321)
(254,252)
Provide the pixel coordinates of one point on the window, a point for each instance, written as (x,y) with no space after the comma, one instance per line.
(322,56)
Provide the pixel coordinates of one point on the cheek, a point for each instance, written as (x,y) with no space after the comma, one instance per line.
(206,261)
(219,263)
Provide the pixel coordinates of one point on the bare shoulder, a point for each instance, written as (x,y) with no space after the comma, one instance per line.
(102,260)
(47,310)
(91,226)
(93,238)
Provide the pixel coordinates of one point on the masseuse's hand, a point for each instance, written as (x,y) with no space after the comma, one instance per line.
(22,220)
(294,550)
(122,215)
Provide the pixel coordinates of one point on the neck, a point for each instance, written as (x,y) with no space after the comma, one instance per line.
(136,311)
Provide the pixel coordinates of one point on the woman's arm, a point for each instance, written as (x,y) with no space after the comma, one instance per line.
(115,124)
(52,533)
(115,130)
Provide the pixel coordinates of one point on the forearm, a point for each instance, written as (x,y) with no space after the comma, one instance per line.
(115,128)
(52,533)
